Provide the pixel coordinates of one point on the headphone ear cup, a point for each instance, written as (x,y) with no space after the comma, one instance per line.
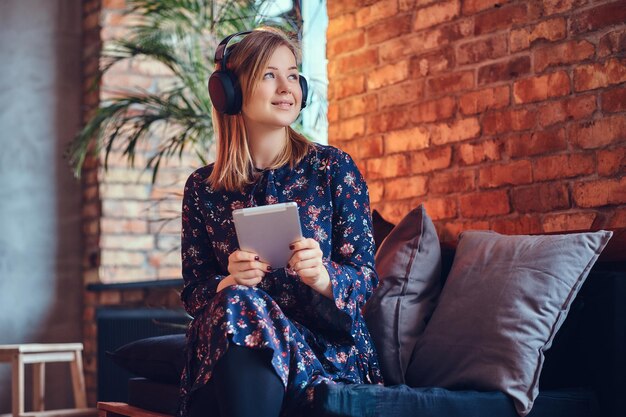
(225,92)
(304,86)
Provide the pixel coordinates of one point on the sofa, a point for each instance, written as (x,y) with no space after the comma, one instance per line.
(584,372)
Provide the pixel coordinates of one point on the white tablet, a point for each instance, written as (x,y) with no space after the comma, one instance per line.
(268,231)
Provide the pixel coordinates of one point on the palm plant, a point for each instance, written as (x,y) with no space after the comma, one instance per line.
(182,35)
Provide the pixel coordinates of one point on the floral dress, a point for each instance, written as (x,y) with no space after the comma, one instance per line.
(313,339)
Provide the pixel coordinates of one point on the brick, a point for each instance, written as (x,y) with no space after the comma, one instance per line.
(336,8)
(559,6)
(128,242)
(482,50)
(430,160)
(358,105)
(412,139)
(395,211)
(377,11)
(357,61)
(563,166)
(120,257)
(113,4)
(348,42)
(576,108)
(541,88)
(376,190)
(598,133)
(549,30)
(125,209)
(110,297)
(333,111)
(401,188)
(611,162)
(432,63)
(388,166)
(123,226)
(456,131)
(598,17)
(371,147)
(561,222)
(484,204)
(614,101)
(501,18)
(504,71)
(388,74)
(540,198)
(452,182)
(388,29)
(536,143)
(612,43)
(511,173)
(518,225)
(439,12)
(488,98)
(476,153)
(419,42)
(347,129)
(598,75)
(390,120)
(431,111)
(449,232)
(349,86)
(340,25)
(600,193)
(441,208)
(508,120)
(474,6)
(562,54)
(401,94)
(451,83)
(618,220)
(124,191)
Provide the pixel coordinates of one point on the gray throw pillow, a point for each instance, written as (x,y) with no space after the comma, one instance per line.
(503,301)
(409,267)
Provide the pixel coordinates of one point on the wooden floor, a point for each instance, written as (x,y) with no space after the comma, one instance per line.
(110,409)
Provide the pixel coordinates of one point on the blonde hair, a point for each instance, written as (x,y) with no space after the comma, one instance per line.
(234,167)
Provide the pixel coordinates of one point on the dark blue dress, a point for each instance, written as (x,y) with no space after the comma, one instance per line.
(313,339)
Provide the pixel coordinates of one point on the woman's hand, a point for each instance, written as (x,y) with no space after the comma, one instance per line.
(306,261)
(244,268)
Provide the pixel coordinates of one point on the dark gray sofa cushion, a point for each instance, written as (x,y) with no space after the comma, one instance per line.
(409,268)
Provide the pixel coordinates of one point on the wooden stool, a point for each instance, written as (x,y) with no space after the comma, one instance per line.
(38,355)
(110,409)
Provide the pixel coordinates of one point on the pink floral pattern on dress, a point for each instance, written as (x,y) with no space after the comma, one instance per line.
(313,339)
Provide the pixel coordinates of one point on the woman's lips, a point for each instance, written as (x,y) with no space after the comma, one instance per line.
(283,104)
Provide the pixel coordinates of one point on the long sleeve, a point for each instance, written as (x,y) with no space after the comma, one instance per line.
(351,262)
(199,264)
(351,267)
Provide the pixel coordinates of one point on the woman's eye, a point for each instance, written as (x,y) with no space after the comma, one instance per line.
(293,77)
(268,75)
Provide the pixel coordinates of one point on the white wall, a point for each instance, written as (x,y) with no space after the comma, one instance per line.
(40,248)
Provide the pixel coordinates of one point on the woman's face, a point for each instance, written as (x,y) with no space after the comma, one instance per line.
(275,102)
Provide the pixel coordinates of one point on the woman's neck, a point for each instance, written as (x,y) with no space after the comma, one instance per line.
(265,146)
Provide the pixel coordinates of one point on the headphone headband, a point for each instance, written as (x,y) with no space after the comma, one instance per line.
(221,53)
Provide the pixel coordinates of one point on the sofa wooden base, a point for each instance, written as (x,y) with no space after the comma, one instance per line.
(110,409)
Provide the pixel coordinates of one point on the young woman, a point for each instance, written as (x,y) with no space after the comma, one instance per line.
(262,338)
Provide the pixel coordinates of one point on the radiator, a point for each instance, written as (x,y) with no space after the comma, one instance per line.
(119,326)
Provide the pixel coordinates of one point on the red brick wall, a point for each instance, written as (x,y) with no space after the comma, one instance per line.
(502,115)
